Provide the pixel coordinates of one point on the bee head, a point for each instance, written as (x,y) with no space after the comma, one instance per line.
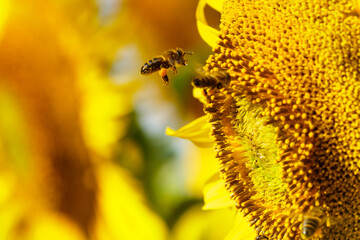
(180,52)
(180,56)
(196,82)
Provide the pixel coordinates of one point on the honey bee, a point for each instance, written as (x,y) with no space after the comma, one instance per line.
(215,80)
(169,59)
(311,225)
(261,237)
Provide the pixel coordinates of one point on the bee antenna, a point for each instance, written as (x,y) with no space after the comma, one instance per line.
(189,52)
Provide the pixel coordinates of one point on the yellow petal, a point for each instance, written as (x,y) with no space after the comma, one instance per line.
(207,33)
(356,4)
(200,15)
(124,213)
(4,11)
(53,226)
(216,4)
(198,132)
(103,110)
(241,230)
(14,138)
(201,165)
(215,194)
(198,93)
(196,224)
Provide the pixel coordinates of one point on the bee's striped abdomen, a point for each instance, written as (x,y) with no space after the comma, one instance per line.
(310,226)
(217,79)
(206,81)
(154,65)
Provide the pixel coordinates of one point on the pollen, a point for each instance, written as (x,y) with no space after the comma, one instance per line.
(163,72)
(287,126)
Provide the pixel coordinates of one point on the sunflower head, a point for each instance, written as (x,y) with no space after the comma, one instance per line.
(286,127)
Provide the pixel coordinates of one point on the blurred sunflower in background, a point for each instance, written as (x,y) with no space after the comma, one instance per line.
(282,103)
(82,147)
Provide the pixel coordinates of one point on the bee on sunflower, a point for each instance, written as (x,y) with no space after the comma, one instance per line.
(286,127)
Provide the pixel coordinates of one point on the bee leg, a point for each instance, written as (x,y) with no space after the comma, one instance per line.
(261,237)
(205,93)
(164,76)
(165,79)
(211,91)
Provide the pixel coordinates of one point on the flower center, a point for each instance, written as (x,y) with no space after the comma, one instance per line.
(256,139)
(286,127)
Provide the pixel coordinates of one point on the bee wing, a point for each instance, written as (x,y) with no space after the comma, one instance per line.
(199,70)
(331,221)
(169,54)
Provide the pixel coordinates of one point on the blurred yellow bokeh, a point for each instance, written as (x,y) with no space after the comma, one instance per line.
(83,150)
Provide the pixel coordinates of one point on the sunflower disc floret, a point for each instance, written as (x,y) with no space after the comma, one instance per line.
(287,126)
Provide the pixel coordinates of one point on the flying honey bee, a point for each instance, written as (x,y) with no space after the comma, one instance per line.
(169,59)
(311,225)
(215,80)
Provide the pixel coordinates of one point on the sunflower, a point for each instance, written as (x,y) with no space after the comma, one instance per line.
(286,127)
(60,118)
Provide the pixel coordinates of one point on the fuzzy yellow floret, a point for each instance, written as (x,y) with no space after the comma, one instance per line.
(298,63)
